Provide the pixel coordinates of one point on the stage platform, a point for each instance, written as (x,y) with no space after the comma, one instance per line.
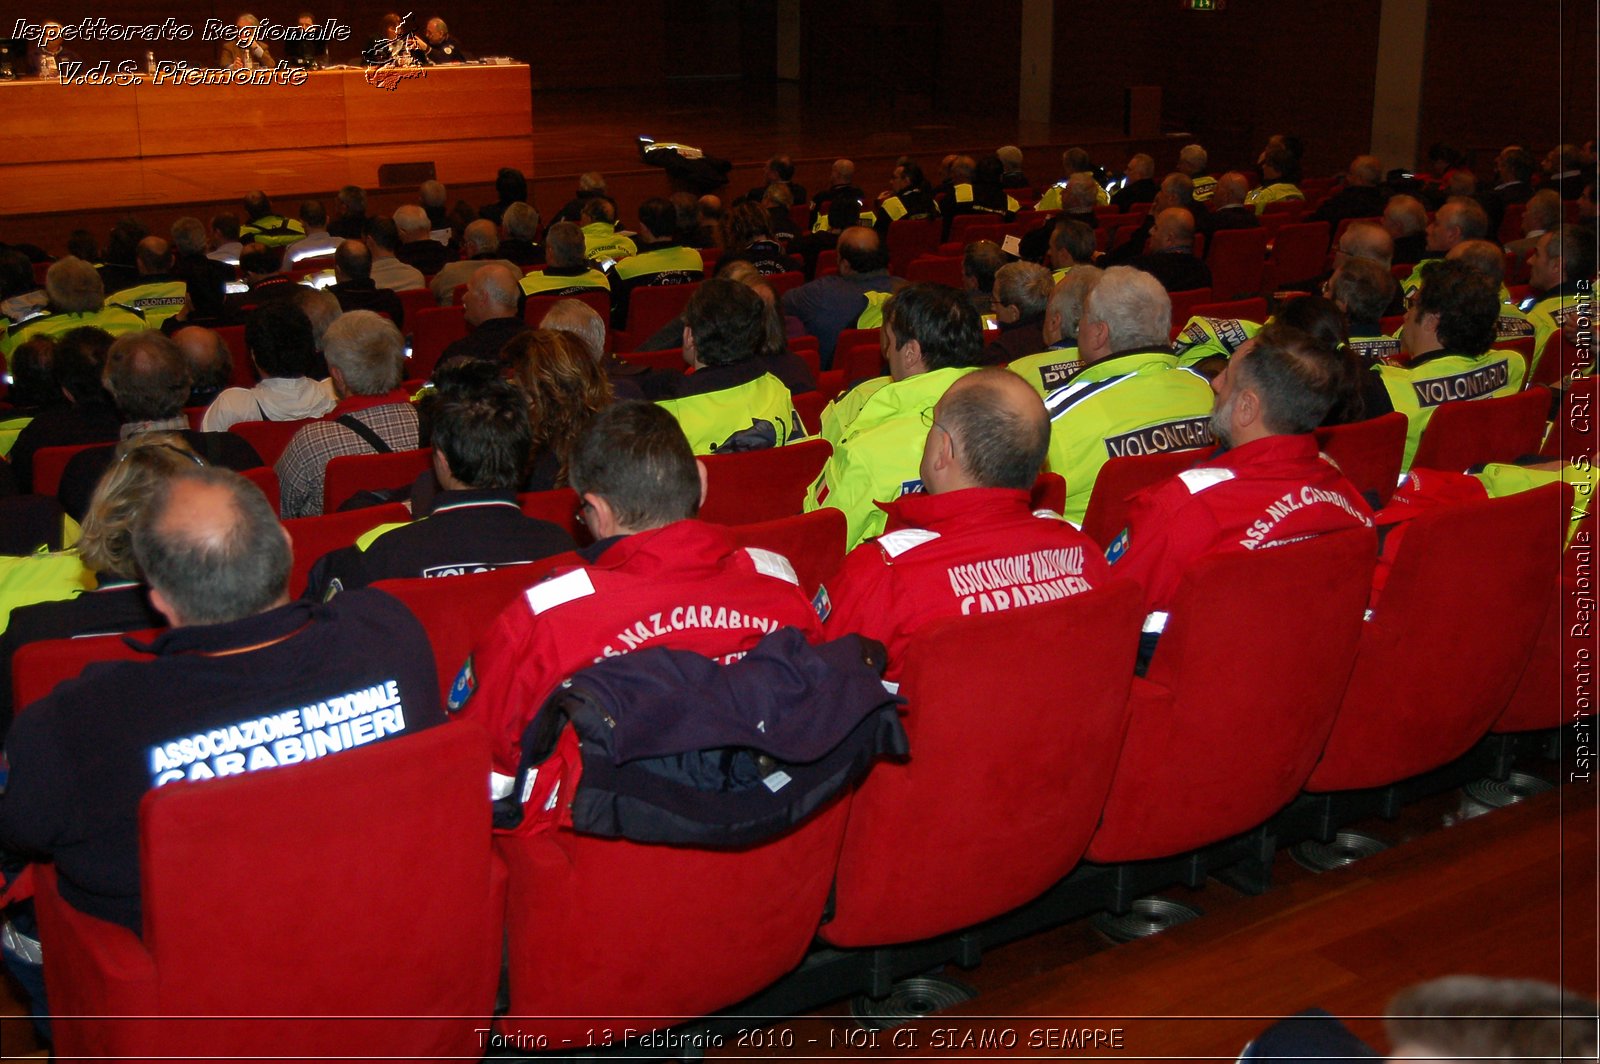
(565,134)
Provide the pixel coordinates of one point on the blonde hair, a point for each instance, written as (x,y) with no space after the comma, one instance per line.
(141,463)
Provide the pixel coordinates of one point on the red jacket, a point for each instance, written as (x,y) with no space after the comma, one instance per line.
(685,586)
(1268,492)
(974,551)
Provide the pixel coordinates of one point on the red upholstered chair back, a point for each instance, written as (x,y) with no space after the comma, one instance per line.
(909,238)
(1537,703)
(598,299)
(1122,478)
(1237,258)
(244,368)
(351,473)
(1465,433)
(809,405)
(669,359)
(827,262)
(940,269)
(36,668)
(761,485)
(559,507)
(1050,493)
(269,438)
(682,932)
(1369,452)
(786,281)
(1448,640)
(432,330)
(859,360)
(50,462)
(413,300)
(1183,303)
(1298,252)
(1561,359)
(264,478)
(1008,771)
(359,885)
(1573,432)
(651,307)
(813,543)
(1225,728)
(458,610)
(1242,309)
(312,537)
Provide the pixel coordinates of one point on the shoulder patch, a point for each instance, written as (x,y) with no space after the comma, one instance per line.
(466,682)
(1119,547)
(822,603)
(895,544)
(771,563)
(564,588)
(1198,480)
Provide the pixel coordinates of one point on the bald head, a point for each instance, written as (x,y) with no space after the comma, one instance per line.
(211,549)
(1174,230)
(860,251)
(153,255)
(209,358)
(1139,167)
(1232,188)
(482,236)
(1365,172)
(844,171)
(990,431)
(1367,240)
(1483,256)
(412,223)
(492,293)
(1404,216)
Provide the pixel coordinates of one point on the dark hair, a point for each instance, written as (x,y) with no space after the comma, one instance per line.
(147,376)
(1317,316)
(237,566)
(783,166)
(226,223)
(939,318)
(78,362)
(1466,302)
(598,209)
(1365,288)
(258,258)
(313,213)
(635,456)
(1475,1017)
(510,185)
(154,255)
(998,445)
(81,244)
(33,373)
(659,216)
(1297,376)
(981,260)
(1076,237)
(484,434)
(256,205)
(728,321)
(913,173)
(16,273)
(382,232)
(123,243)
(743,224)
(353,259)
(1520,162)
(278,336)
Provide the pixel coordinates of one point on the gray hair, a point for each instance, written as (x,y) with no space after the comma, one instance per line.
(432,193)
(564,246)
(521,220)
(1407,213)
(1070,294)
(411,219)
(74,286)
(1133,306)
(1024,285)
(189,236)
(578,318)
(1194,157)
(321,309)
(367,350)
(1081,193)
(482,236)
(497,284)
(1544,206)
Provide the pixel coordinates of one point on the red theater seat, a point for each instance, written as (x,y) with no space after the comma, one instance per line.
(303,908)
(983,818)
(1208,756)
(50,462)
(1242,309)
(908,239)
(813,543)
(349,474)
(312,537)
(1183,303)
(558,506)
(761,485)
(1368,452)
(432,330)
(244,367)
(269,438)
(1466,433)
(1447,641)
(38,667)
(264,478)
(1237,258)
(1297,253)
(1536,703)
(1122,478)
(652,306)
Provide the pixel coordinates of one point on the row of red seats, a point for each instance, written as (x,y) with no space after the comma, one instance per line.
(1138,773)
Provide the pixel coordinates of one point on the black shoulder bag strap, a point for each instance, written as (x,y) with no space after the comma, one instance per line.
(362,429)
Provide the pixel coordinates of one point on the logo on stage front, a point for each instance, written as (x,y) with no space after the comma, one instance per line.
(394,59)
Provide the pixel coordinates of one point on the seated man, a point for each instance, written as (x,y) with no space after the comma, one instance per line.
(278,337)
(655,578)
(48,373)
(158,295)
(659,260)
(1363,289)
(930,339)
(731,402)
(354,288)
(388,271)
(418,248)
(481,442)
(1561,271)
(1059,361)
(1279,172)
(1021,293)
(518,226)
(601,241)
(244,681)
(1131,398)
(1140,184)
(945,548)
(366,357)
(480,244)
(492,316)
(847,299)
(266,227)
(210,362)
(148,378)
(262,269)
(77,298)
(566,269)
(1267,485)
(1447,336)
(1170,257)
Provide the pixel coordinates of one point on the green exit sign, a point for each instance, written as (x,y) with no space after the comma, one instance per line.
(1204,5)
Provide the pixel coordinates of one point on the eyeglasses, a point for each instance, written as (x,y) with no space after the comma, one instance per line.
(1413,298)
(190,455)
(930,423)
